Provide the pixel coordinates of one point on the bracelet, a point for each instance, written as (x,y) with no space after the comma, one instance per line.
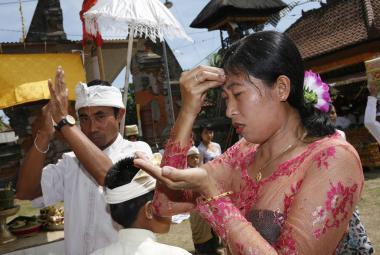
(38,149)
(208,200)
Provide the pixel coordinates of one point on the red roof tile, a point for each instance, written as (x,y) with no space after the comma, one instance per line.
(336,25)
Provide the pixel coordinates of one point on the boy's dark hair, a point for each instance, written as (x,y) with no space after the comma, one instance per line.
(103,83)
(121,173)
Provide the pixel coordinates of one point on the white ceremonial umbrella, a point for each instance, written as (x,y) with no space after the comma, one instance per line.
(122,18)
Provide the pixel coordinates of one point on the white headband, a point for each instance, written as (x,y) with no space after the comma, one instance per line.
(97,95)
(140,185)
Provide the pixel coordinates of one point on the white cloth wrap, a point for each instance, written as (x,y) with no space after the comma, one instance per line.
(97,95)
(140,185)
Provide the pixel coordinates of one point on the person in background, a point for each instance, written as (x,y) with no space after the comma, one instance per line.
(129,193)
(333,117)
(370,121)
(208,149)
(204,239)
(193,157)
(289,186)
(131,132)
(78,177)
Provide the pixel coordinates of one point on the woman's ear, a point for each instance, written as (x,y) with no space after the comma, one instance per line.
(283,87)
(148,210)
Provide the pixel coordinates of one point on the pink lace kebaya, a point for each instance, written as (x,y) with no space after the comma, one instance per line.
(303,207)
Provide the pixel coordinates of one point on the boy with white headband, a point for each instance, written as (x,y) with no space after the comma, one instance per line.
(78,177)
(129,192)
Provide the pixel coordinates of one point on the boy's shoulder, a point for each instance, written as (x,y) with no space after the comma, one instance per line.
(160,248)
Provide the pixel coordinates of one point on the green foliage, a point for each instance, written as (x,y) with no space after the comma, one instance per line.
(215,60)
(310,96)
(333,93)
(131,114)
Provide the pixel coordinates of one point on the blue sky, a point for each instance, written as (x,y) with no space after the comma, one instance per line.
(188,54)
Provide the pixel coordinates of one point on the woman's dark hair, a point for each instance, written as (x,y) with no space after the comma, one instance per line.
(267,55)
(205,126)
(103,83)
(121,173)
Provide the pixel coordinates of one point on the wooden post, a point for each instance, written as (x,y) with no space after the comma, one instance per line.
(100,62)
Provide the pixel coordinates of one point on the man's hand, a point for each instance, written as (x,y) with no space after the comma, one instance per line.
(59,96)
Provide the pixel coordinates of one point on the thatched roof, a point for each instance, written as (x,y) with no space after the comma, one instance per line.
(218,11)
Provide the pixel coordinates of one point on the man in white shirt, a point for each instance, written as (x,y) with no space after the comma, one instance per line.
(78,177)
(129,191)
(370,115)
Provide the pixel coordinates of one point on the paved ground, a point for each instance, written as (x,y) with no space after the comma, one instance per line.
(179,235)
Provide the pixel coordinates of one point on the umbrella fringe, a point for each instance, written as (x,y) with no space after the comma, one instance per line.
(140,30)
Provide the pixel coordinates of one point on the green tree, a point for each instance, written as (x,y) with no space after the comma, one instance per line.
(131,114)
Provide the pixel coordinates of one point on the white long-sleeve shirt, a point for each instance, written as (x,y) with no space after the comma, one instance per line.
(88,224)
(136,241)
(370,121)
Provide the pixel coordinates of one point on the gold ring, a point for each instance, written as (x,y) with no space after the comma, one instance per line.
(195,77)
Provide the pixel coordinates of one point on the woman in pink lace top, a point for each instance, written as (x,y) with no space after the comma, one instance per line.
(290,185)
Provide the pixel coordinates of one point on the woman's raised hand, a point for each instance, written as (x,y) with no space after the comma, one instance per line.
(194,85)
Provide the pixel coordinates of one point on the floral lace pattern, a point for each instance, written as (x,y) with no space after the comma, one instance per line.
(177,156)
(288,200)
(339,199)
(218,213)
(286,243)
(314,192)
(322,157)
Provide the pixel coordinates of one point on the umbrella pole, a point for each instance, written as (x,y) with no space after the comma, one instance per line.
(100,62)
(171,117)
(127,72)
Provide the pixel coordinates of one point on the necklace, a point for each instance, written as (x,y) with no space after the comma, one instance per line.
(259,174)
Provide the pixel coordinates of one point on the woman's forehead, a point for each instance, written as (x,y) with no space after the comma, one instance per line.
(240,80)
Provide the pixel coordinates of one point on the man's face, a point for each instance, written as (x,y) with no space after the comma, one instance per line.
(193,160)
(100,124)
(332,114)
(132,138)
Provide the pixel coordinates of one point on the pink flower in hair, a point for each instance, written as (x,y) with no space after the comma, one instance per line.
(316,91)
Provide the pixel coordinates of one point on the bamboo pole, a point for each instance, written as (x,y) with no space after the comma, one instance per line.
(127,73)
(100,63)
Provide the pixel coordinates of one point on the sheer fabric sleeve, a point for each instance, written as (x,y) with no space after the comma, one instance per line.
(317,208)
(370,122)
(167,202)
